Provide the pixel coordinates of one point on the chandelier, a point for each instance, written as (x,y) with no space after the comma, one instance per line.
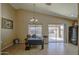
(34,19)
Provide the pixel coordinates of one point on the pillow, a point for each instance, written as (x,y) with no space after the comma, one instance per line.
(33,36)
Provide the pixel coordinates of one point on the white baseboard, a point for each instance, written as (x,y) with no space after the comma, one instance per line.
(7,46)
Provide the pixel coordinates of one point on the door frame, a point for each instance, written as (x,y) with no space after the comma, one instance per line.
(56,35)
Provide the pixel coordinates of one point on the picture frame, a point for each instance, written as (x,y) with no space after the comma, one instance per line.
(7,23)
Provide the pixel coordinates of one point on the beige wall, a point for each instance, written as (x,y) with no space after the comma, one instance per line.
(24,16)
(7,35)
(21,19)
(78,28)
(0,27)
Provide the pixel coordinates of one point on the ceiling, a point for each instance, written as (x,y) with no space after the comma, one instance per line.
(67,10)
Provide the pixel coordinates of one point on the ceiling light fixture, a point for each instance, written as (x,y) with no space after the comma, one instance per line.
(34,19)
(48,4)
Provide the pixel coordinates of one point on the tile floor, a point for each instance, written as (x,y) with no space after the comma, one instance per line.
(49,49)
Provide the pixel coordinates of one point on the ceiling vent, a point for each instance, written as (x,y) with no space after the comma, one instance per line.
(49,4)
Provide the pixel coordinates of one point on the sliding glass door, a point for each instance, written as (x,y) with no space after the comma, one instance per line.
(56,33)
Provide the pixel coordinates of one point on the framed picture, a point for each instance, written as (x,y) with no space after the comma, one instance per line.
(7,23)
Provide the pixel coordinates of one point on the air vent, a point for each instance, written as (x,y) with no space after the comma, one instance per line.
(48,4)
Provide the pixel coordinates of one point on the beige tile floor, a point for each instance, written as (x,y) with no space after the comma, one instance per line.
(49,49)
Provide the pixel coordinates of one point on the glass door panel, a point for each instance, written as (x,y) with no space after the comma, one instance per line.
(56,33)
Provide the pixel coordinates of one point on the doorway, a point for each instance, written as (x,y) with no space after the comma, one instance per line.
(55,33)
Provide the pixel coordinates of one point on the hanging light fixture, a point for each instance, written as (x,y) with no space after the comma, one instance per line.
(34,19)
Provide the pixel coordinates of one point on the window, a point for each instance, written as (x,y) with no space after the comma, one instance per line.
(35,29)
